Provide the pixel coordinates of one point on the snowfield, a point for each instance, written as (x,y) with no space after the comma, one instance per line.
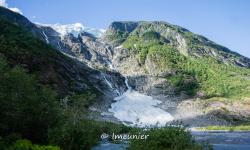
(74,29)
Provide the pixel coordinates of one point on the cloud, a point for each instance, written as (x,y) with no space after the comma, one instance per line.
(5,4)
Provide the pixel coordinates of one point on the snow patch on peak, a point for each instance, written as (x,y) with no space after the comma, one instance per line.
(74,29)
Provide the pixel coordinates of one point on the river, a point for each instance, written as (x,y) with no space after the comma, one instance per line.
(219,140)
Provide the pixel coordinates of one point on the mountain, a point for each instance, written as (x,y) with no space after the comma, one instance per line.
(186,42)
(86,47)
(176,65)
(77,41)
(23,43)
(59,83)
(74,29)
(44,94)
(166,61)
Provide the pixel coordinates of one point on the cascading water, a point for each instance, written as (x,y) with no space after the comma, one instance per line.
(127,85)
(139,109)
(46,38)
(110,85)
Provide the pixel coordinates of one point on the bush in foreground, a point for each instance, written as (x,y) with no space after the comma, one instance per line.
(166,138)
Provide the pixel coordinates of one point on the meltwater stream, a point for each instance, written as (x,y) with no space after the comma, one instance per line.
(136,109)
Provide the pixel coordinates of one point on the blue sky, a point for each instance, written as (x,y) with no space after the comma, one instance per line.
(226,22)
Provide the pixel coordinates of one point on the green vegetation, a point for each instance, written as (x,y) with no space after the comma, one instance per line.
(191,74)
(117,37)
(226,128)
(166,138)
(31,108)
(143,43)
(34,116)
(21,48)
(24,145)
(184,82)
(197,44)
(74,131)
(34,112)
(27,107)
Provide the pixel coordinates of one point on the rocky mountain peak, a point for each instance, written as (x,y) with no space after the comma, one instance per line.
(123,26)
(186,42)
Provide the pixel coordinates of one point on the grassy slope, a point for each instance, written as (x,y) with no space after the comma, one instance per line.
(226,128)
(192,74)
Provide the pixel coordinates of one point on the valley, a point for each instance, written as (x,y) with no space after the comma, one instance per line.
(135,75)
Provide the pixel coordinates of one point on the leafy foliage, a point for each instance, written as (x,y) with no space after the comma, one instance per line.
(74,130)
(227,128)
(166,138)
(27,107)
(25,145)
(20,47)
(192,74)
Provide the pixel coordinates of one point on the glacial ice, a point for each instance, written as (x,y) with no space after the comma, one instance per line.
(74,29)
(140,110)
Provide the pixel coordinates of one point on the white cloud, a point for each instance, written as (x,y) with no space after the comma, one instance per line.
(5,4)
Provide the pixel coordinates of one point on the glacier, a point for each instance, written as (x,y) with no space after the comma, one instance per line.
(75,29)
(136,109)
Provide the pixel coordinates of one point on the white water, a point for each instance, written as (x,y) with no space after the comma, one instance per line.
(139,109)
(110,85)
(46,38)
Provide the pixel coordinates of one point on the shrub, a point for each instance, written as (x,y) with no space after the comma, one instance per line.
(27,145)
(26,106)
(166,138)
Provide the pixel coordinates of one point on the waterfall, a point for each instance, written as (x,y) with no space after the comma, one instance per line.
(110,65)
(127,85)
(46,38)
(110,84)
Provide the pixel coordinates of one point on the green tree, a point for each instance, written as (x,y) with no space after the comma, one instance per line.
(26,106)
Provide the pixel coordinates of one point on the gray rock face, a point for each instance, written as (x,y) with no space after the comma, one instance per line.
(75,75)
(99,53)
(118,32)
(150,81)
(124,26)
(85,47)
(147,77)
(88,50)
(185,41)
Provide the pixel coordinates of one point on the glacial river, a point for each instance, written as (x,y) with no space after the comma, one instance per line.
(219,141)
